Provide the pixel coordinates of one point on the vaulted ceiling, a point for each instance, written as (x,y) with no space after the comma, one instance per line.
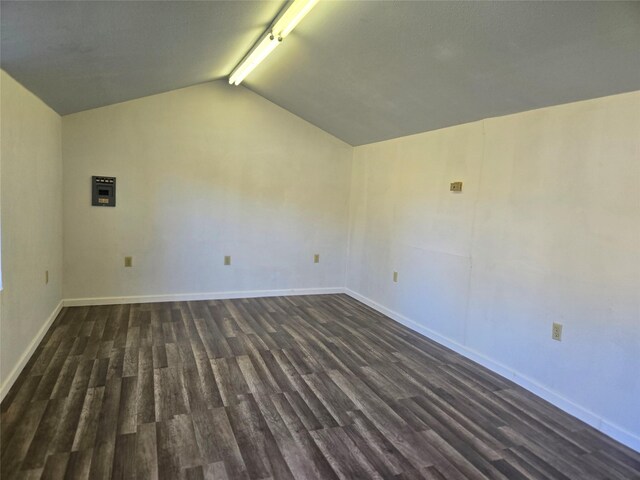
(363,71)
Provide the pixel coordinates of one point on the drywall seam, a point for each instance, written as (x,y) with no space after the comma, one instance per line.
(472,236)
(605,426)
(350,216)
(184,297)
(24,358)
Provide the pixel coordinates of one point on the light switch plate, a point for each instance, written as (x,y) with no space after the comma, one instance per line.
(128,261)
(316,258)
(227,259)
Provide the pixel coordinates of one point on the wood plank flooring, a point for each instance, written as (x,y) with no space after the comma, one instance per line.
(305,387)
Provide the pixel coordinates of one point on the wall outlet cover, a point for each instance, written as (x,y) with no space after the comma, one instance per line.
(128,261)
(556,331)
(227,259)
(456,187)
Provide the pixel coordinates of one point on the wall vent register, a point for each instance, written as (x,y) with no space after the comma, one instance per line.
(103,191)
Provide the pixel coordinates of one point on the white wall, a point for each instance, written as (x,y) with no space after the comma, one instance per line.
(31,186)
(203,172)
(546,229)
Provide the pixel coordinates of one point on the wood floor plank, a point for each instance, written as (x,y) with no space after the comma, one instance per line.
(145,395)
(85,435)
(301,436)
(79,465)
(278,388)
(55,467)
(128,414)
(16,404)
(124,459)
(146,451)
(14,451)
(380,452)
(170,395)
(103,453)
(217,441)
(68,424)
(344,457)
(254,439)
(37,453)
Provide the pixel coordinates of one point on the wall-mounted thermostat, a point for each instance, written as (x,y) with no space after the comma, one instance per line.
(103,191)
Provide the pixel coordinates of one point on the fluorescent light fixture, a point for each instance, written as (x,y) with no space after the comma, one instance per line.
(251,61)
(292,16)
(284,24)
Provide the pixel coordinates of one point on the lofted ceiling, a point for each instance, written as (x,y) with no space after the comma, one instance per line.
(363,71)
(77,55)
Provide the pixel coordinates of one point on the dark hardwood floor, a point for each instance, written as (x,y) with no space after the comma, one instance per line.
(289,387)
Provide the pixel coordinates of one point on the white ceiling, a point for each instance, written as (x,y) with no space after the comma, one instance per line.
(362,70)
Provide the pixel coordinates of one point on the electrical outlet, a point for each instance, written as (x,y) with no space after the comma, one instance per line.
(316,258)
(46,277)
(456,187)
(128,261)
(556,331)
(227,259)
(395,277)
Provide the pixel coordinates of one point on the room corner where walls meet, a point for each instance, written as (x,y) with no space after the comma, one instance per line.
(543,232)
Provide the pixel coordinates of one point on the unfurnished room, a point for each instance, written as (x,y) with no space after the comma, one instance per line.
(319,239)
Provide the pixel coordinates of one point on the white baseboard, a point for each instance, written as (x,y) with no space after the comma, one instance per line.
(17,369)
(602,424)
(183,297)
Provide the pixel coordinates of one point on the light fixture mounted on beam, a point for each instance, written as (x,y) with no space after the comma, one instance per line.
(281,27)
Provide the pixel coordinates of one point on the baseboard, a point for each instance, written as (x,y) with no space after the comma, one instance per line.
(17,369)
(599,423)
(183,297)
(602,424)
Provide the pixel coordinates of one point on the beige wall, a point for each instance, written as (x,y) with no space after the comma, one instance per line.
(31,199)
(203,172)
(547,229)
